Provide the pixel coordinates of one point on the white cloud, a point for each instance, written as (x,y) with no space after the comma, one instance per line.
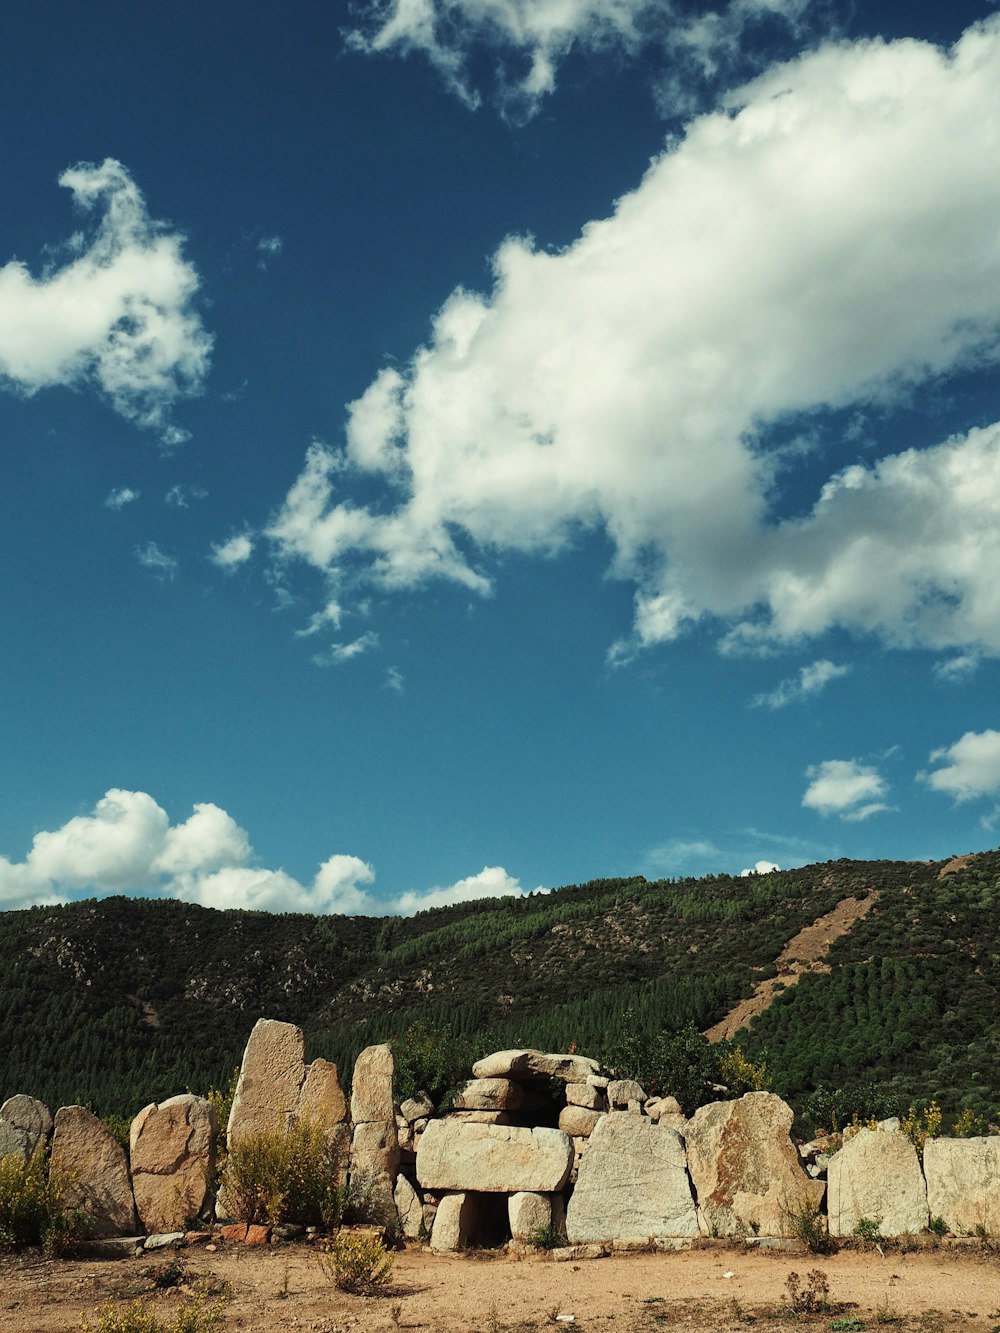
(760,868)
(491,882)
(118,314)
(971,766)
(811,680)
(180,497)
(229,555)
(121,497)
(394,679)
(525,41)
(337,653)
(128,842)
(151,556)
(827,243)
(268,248)
(846,788)
(956,669)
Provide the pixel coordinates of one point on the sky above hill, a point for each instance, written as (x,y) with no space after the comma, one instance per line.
(458,447)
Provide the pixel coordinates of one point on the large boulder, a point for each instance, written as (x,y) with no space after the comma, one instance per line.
(172,1151)
(578,1122)
(745,1168)
(632,1182)
(876,1175)
(25,1126)
(266,1100)
(529,1214)
(587,1096)
(503,1159)
(454,1222)
(92,1162)
(488,1094)
(963,1183)
(526,1064)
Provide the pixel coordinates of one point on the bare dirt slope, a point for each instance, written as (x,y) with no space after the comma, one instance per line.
(803,953)
(715,1289)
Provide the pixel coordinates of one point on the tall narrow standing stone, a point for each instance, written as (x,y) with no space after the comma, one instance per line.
(91,1159)
(172,1150)
(271,1076)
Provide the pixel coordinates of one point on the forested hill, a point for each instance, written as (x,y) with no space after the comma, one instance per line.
(122,1001)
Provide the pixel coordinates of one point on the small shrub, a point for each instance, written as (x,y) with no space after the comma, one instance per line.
(33,1210)
(868,1229)
(357,1263)
(807,1224)
(139,1316)
(968,1125)
(292,1177)
(813,1298)
(938,1227)
(919,1126)
(545,1238)
(851,1324)
(119,1127)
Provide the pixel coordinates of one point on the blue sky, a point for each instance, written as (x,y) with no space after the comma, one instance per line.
(456,447)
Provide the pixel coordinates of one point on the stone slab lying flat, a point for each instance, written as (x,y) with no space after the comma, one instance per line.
(535,1064)
(501,1159)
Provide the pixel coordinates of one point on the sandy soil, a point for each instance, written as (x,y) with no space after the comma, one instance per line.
(717,1289)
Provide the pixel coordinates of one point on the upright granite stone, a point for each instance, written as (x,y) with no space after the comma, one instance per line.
(528,1214)
(93,1162)
(963,1183)
(529,1064)
(271,1076)
(745,1168)
(25,1126)
(375,1146)
(632,1182)
(172,1150)
(409,1208)
(454,1221)
(371,1086)
(321,1098)
(501,1159)
(876,1175)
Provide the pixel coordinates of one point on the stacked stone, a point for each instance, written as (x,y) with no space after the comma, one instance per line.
(375,1144)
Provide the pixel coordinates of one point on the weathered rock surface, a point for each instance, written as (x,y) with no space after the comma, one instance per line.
(454,1222)
(632,1182)
(876,1175)
(416,1108)
(25,1125)
(578,1122)
(271,1076)
(409,1208)
(963,1183)
(371,1086)
(624,1094)
(535,1064)
(172,1152)
(528,1214)
(86,1154)
(488,1094)
(655,1107)
(502,1159)
(745,1168)
(482,1117)
(321,1098)
(585,1095)
(375,1148)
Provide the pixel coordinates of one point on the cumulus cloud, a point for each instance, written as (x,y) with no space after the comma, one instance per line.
(118,314)
(180,497)
(525,41)
(846,788)
(825,244)
(811,680)
(968,769)
(957,669)
(128,842)
(119,498)
(151,556)
(760,868)
(229,555)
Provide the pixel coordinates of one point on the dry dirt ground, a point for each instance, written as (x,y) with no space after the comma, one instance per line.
(717,1288)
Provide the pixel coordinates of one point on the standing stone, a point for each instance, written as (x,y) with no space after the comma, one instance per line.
(321,1098)
(632,1182)
(745,1168)
(25,1125)
(172,1152)
(535,1064)
(409,1208)
(963,1183)
(92,1160)
(528,1214)
(371,1086)
(267,1092)
(454,1222)
(502,1159)
(876,1176)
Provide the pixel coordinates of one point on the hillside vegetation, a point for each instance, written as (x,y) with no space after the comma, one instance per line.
(118,1002)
